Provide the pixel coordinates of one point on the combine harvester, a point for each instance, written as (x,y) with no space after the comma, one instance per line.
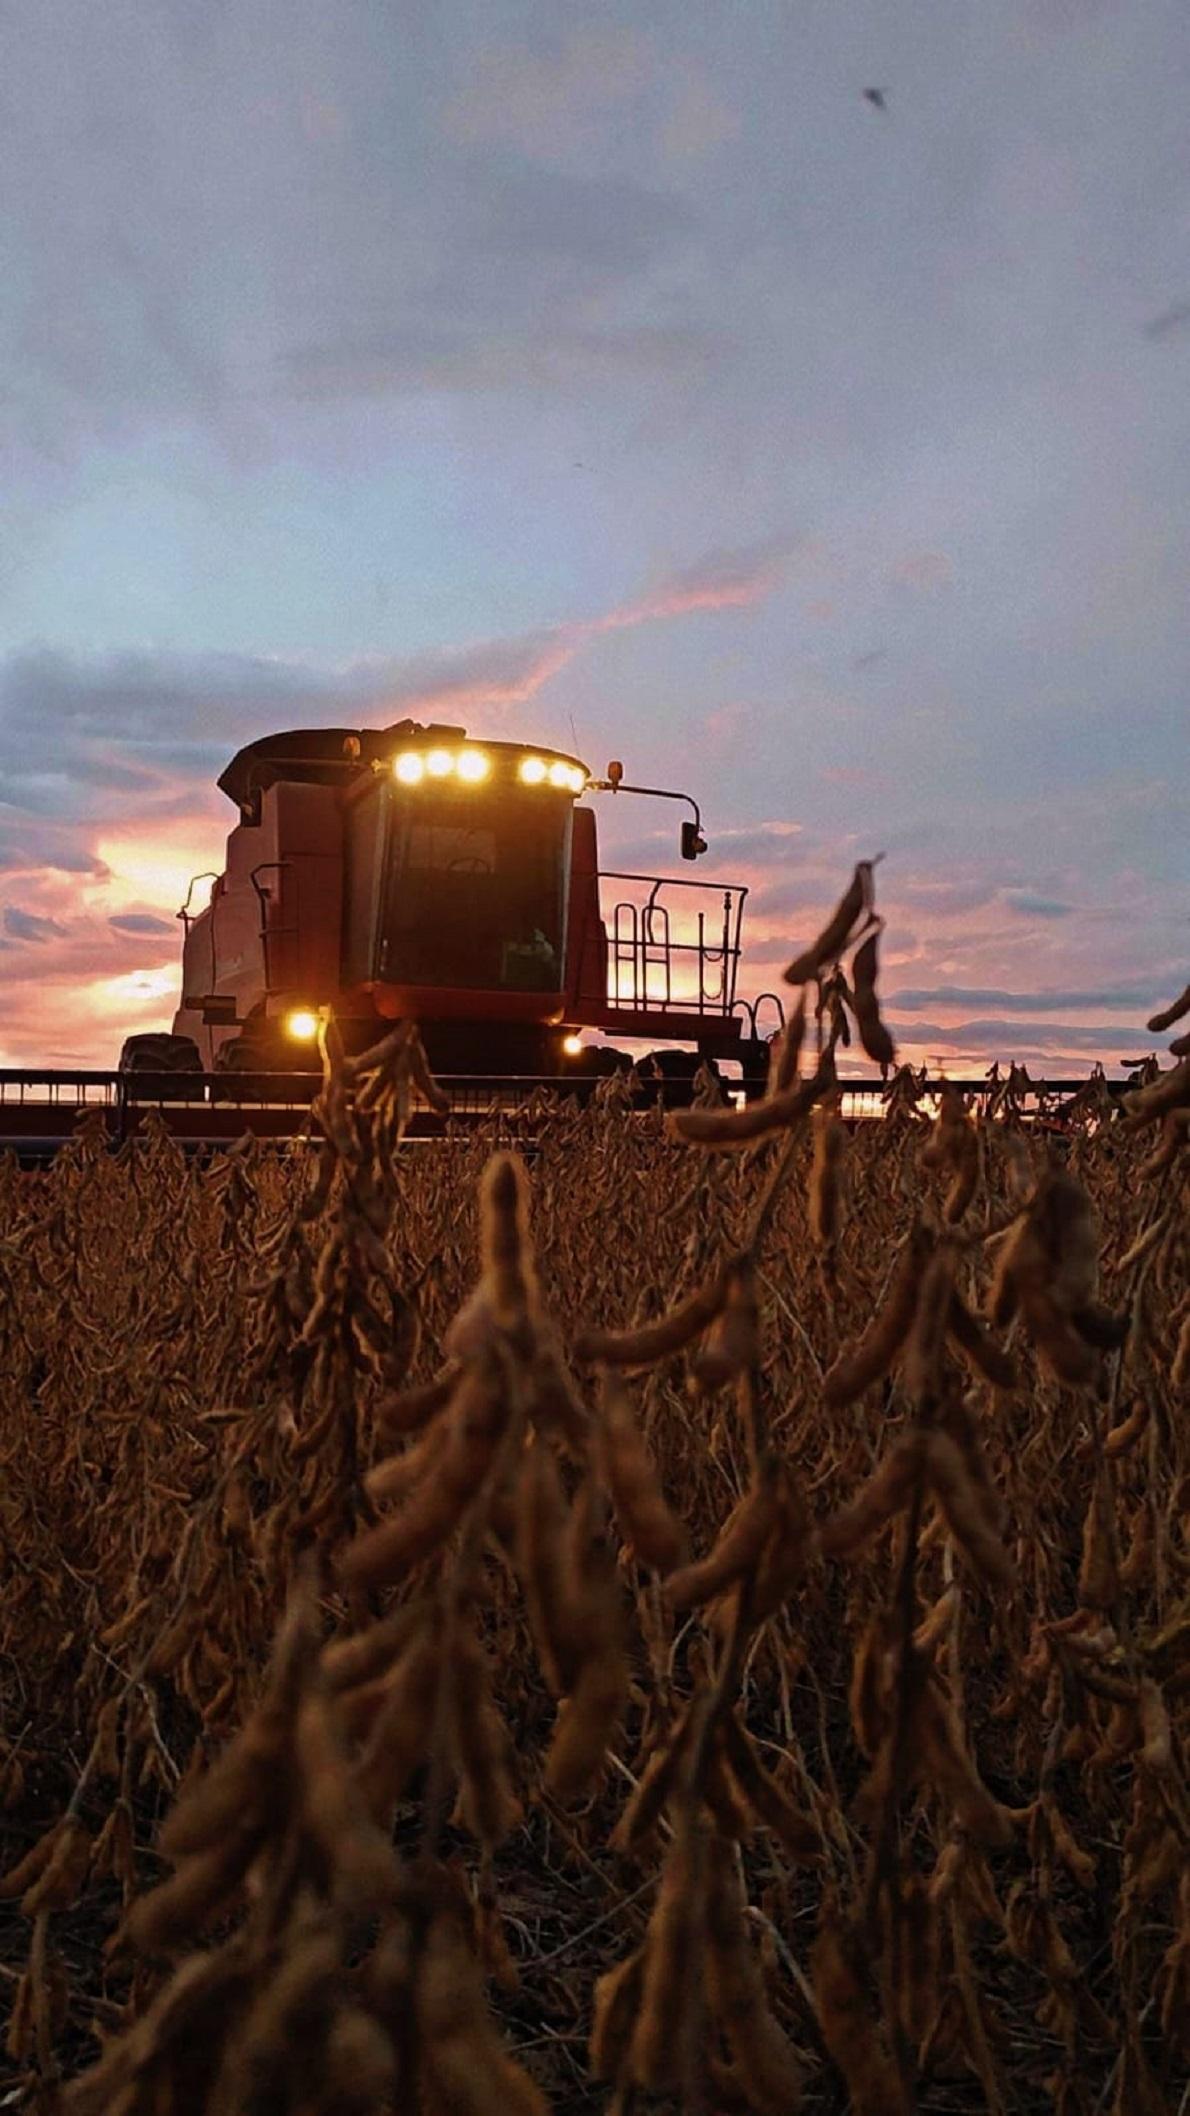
(410,873)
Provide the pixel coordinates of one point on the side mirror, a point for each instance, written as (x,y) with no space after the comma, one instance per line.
(692,841)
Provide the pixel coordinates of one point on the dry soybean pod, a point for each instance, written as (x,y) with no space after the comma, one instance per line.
(504,1237)
(423,1079)
(927,1339)
(965,1510)
(853,1527)
(965,1180)
(673,1952)
(736,1550)
(655,1340)
(838,929)
(764,2057)
(176,1908)
(1170,1091)
(873,1034)
(794,1831)
(617,2003)
(1168,1015)
(786,1053)
(739,1127)
(656,1782)
(652,1531)
(409,1409)
(733,1342)
(859,1365)
(981,1351)
(830,1145)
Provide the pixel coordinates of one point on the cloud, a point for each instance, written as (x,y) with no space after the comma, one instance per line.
(1141,995)
(997,1037)
(139,922)
(723,580)
(742,849)
(540,99)
(155,727)
(26,925)
(600,226)
(456,359)
(569,94)
(528,280)
(1030,906)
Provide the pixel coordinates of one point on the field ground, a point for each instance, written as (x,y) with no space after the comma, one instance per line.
(882,1801)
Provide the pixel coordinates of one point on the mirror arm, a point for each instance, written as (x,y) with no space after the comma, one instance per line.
(655,793)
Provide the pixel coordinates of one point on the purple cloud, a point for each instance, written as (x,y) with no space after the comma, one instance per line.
(26,925)
(139,922)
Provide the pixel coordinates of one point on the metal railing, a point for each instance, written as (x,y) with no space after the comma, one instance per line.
(649,970)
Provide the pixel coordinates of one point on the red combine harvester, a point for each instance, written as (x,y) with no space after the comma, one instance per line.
(411,873)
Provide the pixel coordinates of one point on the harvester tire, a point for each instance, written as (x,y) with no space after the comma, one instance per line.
(250,1056)
(160,1053)
(163,1066)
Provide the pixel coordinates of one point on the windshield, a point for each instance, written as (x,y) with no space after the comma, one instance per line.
(474,892)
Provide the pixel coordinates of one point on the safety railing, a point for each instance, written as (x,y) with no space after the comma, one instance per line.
(664,957)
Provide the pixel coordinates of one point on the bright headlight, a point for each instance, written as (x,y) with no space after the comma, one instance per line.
(409,768)
(302,1024)
(472,765)
(440,763)
(577,779)
(533,770)
(559,774)
(572,1045)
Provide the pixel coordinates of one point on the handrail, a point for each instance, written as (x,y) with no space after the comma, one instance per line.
(641,948)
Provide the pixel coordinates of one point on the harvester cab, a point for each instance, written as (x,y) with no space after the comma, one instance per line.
(412,873)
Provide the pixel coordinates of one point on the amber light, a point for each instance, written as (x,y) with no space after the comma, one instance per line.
(302,1024)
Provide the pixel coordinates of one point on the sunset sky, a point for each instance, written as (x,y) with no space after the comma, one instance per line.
(615,376)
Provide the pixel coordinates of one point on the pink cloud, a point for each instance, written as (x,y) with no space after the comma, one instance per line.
(727,580)
(493,676)
(501,673)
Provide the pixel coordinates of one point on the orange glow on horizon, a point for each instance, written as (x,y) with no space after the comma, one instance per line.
(154,867)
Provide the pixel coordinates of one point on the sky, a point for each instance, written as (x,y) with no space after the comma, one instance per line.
(615,376)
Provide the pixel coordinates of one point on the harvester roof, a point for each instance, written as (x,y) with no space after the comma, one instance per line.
(320,754)
(329,755)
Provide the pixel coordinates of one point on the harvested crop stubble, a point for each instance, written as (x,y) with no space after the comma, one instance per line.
(397,1700)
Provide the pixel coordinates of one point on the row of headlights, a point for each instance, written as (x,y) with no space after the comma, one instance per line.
(472,766)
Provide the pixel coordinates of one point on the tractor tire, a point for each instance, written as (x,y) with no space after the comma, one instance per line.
(251,1069)
(238,1056)
(164,1068)
(159,1053)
